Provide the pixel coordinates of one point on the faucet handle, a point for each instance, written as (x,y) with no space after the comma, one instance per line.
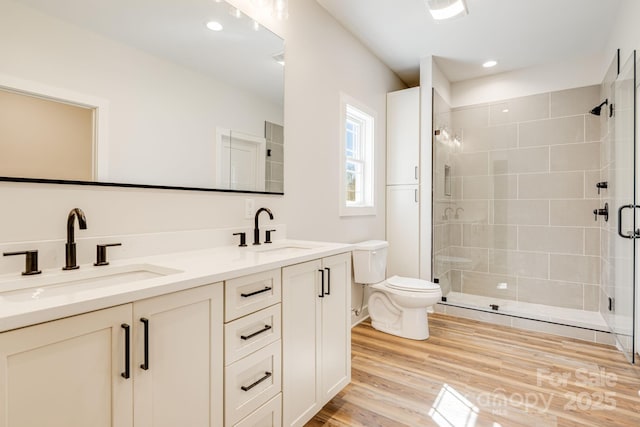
(268,236)
(31,261)
(101,253)
(243,239)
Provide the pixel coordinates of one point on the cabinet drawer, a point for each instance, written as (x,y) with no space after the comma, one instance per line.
(248,294)
(268,415)
(250,333)
(251,382)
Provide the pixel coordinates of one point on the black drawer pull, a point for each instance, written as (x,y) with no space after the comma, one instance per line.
(145,365)
(265,329)
(127,349)
(249,387)
(267,289)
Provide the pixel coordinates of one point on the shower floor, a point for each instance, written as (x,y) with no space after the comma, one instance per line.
(565,316)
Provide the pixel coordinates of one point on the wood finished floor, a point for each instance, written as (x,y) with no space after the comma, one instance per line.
(471,373)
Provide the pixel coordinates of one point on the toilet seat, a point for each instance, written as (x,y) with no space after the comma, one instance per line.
(412,284)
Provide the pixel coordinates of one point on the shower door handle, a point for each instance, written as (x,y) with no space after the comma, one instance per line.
(630,234)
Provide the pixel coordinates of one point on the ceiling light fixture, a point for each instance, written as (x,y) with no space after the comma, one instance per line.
(490,64)
(214,26)
(446,9)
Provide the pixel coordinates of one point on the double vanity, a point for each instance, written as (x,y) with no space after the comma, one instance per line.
(226,336)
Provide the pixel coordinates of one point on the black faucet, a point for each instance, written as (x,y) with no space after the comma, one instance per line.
(256,230)
(70,246)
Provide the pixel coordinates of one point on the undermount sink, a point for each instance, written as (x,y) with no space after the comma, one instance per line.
(280,249)
(61,283)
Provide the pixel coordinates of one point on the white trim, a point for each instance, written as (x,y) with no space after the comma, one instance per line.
(343,209)
(100,149)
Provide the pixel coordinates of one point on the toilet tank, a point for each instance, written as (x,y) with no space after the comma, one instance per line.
(370,261)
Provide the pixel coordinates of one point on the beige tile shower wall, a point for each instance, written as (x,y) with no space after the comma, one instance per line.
(527,169)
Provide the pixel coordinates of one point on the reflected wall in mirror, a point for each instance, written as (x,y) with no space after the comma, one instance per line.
(162,93)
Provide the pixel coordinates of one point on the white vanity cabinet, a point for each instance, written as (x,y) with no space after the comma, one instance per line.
(67,372)
(71,372)
(267,347)
(316,335)
(253,350)
(177,380)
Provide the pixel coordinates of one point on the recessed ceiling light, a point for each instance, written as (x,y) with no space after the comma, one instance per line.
(446,9)
(214,26)
(490,64)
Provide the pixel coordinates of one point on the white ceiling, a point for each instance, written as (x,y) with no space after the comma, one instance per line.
(516,33)
(175,30)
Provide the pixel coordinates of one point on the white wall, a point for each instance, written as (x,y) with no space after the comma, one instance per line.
(323,59)
(626,32)
(573,73)
(162,117)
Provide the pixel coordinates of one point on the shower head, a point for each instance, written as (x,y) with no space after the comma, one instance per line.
(596,110)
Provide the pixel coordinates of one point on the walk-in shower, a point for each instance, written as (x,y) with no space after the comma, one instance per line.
(520,192)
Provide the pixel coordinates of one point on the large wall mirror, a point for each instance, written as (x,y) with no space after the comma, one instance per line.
(140,92)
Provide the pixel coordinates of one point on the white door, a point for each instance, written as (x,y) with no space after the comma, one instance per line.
(336,328)
(67,373)
(301,352)
(178,380)
(403,136)
(240,160)
(403,230)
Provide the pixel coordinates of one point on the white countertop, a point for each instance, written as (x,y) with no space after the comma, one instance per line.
(194,268)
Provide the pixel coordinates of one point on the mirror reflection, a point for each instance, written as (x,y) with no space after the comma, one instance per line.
(140,92)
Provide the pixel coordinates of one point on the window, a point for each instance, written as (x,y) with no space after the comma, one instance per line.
(357,147)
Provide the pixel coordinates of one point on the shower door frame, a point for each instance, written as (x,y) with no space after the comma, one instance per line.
(623,253)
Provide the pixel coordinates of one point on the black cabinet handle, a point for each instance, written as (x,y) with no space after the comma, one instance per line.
(321,283)
(127,349)
(267,289)
(145,365)
(328,281)
(265,329)
(249,387)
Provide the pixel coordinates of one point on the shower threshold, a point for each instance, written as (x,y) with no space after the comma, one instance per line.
(546,313)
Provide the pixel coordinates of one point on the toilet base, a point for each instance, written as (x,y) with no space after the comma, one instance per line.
(413,325)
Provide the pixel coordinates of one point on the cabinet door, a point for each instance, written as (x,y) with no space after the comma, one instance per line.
(403,136)
(336,328)
(301,352)
(67,373)
(182,383)
(403,231)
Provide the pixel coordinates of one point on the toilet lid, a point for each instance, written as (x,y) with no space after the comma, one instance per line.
(411,284)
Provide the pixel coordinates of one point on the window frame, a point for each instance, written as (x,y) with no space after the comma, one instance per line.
(355,111)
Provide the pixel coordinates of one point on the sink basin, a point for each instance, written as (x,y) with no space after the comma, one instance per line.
(281,249)
(61,283)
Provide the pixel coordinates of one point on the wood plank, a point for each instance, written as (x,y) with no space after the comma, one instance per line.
(471,373)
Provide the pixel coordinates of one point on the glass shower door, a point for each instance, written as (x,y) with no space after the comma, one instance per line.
(620,304)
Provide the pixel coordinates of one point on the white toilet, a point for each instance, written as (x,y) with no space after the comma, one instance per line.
(397,305)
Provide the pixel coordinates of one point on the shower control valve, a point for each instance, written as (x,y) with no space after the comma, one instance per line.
(604,212)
